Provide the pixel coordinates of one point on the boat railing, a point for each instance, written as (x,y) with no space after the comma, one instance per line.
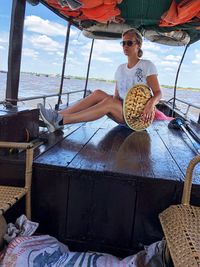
(44,97)
(188,106)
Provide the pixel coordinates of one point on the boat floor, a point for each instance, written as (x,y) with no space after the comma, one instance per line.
(101,186)
(104,146)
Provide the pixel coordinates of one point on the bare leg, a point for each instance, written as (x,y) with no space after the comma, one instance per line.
(108,106)
(94,98)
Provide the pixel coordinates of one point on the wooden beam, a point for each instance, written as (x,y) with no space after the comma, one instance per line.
(15,50)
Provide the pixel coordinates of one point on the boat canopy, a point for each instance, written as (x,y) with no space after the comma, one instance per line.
(168,22)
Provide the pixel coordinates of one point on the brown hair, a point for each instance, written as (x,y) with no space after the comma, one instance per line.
(138,37)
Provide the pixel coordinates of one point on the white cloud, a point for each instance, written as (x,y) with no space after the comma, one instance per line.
(197,58)
(168,63)
(186,70)
(3,40)
(107,46)
(44,26)
(151,46)
(103,50)
(56,64)
(169,69)
(60,54)
(154,57)
(172,58)
(76,42)
(73,63)
(103,59)
(30,53)
(46,43)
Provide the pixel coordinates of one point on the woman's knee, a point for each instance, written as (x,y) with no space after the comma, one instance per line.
(110,102)
(100,94)
(114,109)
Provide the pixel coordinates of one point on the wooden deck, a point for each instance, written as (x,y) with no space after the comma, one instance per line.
(101,186)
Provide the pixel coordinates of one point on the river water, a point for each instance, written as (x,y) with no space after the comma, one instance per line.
(33,85)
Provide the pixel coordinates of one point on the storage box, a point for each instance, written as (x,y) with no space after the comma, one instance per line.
(19,125)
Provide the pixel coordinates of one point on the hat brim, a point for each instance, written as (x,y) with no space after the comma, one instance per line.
(133,106)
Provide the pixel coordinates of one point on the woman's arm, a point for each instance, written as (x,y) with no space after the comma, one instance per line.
(116,95)
(152,82)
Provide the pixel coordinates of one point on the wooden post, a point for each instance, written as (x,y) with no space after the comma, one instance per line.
(15,50)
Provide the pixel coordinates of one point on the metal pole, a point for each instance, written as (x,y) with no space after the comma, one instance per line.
(88,69)
(176,80)
(63,67)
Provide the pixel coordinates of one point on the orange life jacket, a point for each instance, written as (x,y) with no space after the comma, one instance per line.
(102,13)
(91,3)
(185,11)
(66,10)
(95,3)
(99,10)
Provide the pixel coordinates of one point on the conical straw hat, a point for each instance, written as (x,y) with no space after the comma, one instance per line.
(133,106)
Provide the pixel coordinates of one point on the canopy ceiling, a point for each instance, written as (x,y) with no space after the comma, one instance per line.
(141,14)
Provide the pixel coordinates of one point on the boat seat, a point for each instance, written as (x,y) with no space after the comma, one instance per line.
(181,226)
(9,195)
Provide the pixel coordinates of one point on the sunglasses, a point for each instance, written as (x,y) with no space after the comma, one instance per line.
(128,43)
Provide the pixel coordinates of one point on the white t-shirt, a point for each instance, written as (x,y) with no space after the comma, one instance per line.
(127,78)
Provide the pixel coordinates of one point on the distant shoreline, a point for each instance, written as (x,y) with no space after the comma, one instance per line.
(97,79)
(180,88)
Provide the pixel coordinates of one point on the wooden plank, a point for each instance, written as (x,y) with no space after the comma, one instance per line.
(64,151)
(99,154)
(153,196)
(113,212)
(51,139)
(78,208)
(109,124)
(49,200)
(12,172)
(67,146)
(160,159)
(123,151)
(105,206)
(180,148)
(132,155)
(146,150)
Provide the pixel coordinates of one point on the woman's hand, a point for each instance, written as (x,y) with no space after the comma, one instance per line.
(148,112)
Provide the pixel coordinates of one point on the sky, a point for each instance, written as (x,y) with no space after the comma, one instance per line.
(44,41)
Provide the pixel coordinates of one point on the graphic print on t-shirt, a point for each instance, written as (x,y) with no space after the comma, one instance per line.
(139,75)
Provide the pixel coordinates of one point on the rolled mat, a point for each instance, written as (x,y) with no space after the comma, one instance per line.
(133,106)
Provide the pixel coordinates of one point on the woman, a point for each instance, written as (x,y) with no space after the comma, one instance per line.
(99,103)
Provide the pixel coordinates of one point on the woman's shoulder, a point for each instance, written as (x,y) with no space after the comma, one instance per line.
(148,66)
(146,62)
(121,66)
